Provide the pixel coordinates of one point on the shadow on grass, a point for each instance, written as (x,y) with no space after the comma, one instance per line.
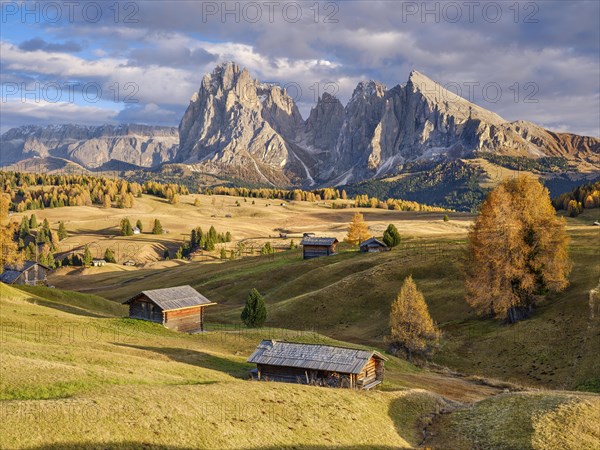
(410,417)
(66,308)
(200,359)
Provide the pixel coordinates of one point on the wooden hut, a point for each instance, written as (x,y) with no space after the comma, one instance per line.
(315,247)
(29,273)
(321,365)
(179,308)
(98,262)
(373,245)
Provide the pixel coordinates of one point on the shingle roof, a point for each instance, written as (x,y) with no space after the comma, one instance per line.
(312,356)
(11,273)
(22,267)
(174,297)
(318,241)
(372,241)
(10,276)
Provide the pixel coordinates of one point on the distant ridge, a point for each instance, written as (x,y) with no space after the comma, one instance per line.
(241,129)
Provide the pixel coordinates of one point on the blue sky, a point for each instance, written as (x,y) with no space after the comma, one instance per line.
(140,62)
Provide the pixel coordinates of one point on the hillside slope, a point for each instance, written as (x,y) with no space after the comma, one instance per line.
(348,297)
(72,381)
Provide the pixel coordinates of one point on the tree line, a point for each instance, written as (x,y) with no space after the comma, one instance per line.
(324,194)
(580,198)
(28,191)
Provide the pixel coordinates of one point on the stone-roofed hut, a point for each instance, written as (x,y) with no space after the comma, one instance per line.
(315,247)
(322,365)
(178,308)
(29,273)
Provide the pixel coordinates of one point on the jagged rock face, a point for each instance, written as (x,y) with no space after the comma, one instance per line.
(324,123)
(417,120)
(236,124)
(360,132)
(238,127)
(91,146)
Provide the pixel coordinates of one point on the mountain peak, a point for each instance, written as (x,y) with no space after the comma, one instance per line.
(226,66)
(366,89)
(438,96)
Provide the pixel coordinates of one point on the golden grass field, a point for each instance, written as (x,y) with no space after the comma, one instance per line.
(254,224)
(75,374)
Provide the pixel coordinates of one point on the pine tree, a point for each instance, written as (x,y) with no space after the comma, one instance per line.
(197,202)
(391,236)
(517,250)
(139,225)
(33,222)
(46,257)
(223,253)
(126,228)
(31,252)
(446,218)
(109,255)
(87,257)
(179,253)
(358,230)
(412,331)
(267,249)
(106,201)
(24,228)
(157,228)
(292,245)
(254,314)
(62,231)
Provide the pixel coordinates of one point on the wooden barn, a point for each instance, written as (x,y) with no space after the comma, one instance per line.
(179,308)
(316,364)
(31,273)
(373,245)
(314,247)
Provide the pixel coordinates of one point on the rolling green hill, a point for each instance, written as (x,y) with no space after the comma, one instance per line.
(75,375)
(348,297)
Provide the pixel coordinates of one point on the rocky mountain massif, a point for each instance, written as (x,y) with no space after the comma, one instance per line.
(238,127)
(92,147)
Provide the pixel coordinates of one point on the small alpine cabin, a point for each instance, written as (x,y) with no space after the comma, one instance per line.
(29,273)
(315,364)
(315,247)
(178,308)
(373,246)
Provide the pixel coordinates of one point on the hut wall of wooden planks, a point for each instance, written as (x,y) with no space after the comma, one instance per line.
(179,308)
(320,365)
(315,247)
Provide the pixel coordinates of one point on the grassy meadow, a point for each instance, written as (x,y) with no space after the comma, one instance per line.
(75,373)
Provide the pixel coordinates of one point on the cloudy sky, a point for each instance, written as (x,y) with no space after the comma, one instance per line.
(141,61)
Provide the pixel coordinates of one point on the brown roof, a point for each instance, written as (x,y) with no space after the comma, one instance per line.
(178,297)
